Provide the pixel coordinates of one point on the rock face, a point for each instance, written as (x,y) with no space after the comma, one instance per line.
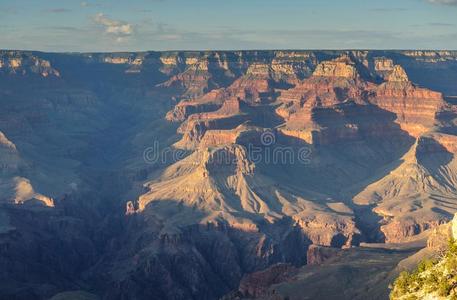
(382,64)
(438,240)
(256,284)
(6,143)
(317,254)
(421,177)
(180,175)
(230,114)
(223,181)
(432,278)
(398,74)
(340,67)
(20,63)
(415,117)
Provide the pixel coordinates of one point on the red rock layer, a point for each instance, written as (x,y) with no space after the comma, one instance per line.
(230,115)
(333,83)
(334,104)
(415,108)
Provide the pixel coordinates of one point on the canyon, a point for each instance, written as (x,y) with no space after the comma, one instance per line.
(222,174)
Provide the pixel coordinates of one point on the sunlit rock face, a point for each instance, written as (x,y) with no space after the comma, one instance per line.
(340,67)
(180,175)
(21,63)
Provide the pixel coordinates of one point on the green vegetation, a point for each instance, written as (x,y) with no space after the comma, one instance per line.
(437,277)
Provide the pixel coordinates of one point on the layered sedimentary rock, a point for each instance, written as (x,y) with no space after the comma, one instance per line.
(15,189)
(12,62)
(290,156)
(411,198)
(336,104)
(320,108)
(196,79)
(333,83)
(397,74)
(223,182)
(416,108)
(256,87)
(383,64)
(341,67)
(232,113)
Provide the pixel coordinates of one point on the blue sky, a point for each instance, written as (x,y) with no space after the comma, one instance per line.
(99,25)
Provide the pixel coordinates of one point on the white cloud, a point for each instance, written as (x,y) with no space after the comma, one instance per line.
(119,29)
(446,2)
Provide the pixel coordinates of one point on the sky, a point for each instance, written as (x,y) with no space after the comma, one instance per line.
(139,25)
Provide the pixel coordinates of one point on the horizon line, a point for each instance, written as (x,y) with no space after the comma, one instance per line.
(228,50)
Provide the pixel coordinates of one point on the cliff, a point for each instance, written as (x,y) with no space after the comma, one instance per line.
(433,278)
(18,63)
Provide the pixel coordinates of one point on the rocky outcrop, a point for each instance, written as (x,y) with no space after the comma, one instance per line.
(337,82)
(194,81)
(232,113)
(398,74)
(130,208)
(24,193)
(337,104)
(22,63)
(6,143)
(438,240)
(317,254)
(439,237)
(186,108)
(383,64)
(433,277)
(330,230)
(256,284)
(340,67)
(409,196)
(449,142)
(397,231)
(319,110)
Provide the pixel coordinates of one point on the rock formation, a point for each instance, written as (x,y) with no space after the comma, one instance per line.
(25,63)
(434,277)
(340,67)
(398,74)
(256,284)
(409,196)
(269,164)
